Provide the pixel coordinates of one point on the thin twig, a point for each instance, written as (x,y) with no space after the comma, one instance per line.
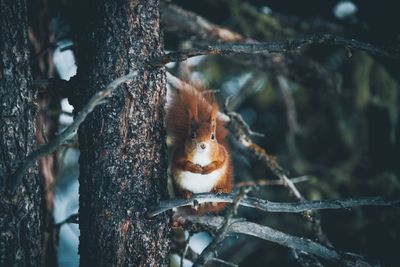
(73,218)
(265,182)
(241,132)
(173,17)
(210,251)
(227,263)
(293,127)
(185,249)
(272,47)
(269,206)
(70,131)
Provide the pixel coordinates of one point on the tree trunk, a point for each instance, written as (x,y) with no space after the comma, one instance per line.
(123,166)
(20,216)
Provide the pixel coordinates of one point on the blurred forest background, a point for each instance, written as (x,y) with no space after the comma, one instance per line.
(328,113)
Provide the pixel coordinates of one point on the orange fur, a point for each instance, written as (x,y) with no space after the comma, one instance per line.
(192,123)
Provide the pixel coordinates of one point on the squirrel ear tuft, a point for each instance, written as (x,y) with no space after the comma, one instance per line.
(192,119)
(213,114)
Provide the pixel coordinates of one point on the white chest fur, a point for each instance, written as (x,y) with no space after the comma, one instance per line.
(198,183)
(202,158)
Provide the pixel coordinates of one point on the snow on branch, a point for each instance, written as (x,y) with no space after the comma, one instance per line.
(65,135)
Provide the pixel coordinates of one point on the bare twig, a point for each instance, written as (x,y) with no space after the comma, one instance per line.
(291,114)
(173,15)
(249,87)
(293,66)
(264,232)
(241,226)
(240,131)
(185,249)
(73,218)
(272,47)
(227,263)
(210,251)
(265,182)
(60,139)
(269,206)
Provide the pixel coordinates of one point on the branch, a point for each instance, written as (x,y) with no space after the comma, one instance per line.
(269,206)
(177,19)
(272,47)
(210,251)
(240,131)
(60,139)
(227,263)
(264,182)
(73,218)
(240,226)
(298,68)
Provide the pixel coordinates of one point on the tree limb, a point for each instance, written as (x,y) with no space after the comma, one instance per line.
(269,206)
(177,19)
(241,226)
(60,139)
(272,47)
(297,68)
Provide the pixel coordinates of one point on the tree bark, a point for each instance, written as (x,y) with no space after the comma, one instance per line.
(20,214)
(123,165)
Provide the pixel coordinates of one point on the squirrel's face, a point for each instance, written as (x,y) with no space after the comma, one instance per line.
(202,137)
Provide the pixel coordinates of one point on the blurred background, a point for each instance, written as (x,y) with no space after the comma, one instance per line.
(329,114)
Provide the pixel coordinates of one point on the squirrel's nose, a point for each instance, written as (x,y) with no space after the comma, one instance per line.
(203,146)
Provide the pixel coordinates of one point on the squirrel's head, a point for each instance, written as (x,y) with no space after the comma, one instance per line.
(202,137)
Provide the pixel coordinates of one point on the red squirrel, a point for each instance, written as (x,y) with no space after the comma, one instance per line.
(200,153)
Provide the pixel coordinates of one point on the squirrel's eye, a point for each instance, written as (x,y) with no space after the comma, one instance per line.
(192,136)
(212,136)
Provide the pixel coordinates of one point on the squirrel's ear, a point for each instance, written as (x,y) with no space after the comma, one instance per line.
(213,114)
(193,111)
(192,119)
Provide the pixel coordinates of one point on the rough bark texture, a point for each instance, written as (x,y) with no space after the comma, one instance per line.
(123,164)
(20,224)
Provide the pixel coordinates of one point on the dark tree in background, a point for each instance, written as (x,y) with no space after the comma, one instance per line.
(20,214)
(123,163)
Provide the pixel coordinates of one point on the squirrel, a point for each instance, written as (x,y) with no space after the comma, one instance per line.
(200,159)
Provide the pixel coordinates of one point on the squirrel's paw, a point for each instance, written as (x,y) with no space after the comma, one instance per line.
(219,191)
(187,194)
